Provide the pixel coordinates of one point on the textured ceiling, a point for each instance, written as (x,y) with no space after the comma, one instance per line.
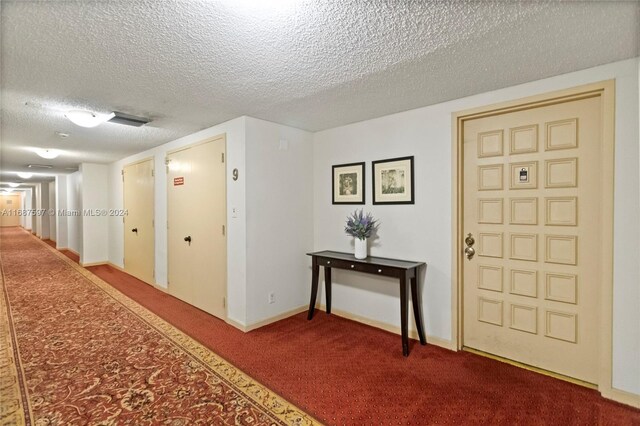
(309,64)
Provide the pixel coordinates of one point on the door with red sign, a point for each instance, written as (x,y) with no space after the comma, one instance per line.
(196,213)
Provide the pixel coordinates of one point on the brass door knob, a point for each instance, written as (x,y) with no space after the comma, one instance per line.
(469,251)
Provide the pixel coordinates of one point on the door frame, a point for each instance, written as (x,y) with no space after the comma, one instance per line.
(606,91)
(222,136)
(153,212)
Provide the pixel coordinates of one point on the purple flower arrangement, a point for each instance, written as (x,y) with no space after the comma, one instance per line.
(360,225)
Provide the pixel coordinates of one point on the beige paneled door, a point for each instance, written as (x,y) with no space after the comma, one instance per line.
(9,209)
(196,212)
(139,233)
(533,183)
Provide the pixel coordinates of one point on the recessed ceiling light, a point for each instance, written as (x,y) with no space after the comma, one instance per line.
(49,154)
(25,175)
(87,118)
(62,135)
(13,184)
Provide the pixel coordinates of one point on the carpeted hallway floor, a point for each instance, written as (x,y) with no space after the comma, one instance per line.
(346,373)
(75,351)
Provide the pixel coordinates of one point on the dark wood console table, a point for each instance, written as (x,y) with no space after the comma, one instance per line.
(405,271)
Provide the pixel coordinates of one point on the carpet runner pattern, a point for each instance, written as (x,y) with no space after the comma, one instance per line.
(73,350)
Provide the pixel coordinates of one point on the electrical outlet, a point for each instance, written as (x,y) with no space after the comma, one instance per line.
(272,298)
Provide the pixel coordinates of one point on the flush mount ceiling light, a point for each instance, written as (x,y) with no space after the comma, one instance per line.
(7,190)
(49,154)
(25,175)
(13,184)
(87,118)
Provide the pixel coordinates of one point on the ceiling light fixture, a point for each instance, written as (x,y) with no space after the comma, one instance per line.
(13,184)
(87,118)
(49,154)
(25,175)
(7,190)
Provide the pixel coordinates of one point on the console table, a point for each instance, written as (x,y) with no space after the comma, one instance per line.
(405,271)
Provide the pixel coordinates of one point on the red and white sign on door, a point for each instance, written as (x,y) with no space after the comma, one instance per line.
(177,181)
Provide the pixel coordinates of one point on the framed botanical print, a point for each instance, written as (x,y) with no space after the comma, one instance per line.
(393,181)
(348,183)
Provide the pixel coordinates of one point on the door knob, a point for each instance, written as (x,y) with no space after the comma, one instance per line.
(135,230)
(188,239)
(469,251)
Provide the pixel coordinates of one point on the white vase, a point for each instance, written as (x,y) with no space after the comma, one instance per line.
(361,248)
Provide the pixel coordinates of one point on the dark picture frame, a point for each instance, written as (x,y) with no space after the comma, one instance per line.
(393,181)
(348,183)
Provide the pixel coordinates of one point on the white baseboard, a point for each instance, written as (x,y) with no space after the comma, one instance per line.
(121,269)
(267,321)
(103,262)
(433,340)
(622,397)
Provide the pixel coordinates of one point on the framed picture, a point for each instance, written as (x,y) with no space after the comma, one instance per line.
(393,181)
(348,183)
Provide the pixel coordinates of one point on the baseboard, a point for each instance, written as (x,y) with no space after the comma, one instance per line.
(236,324)
(121,269)
(623,397)
(73,251)
(84,265)
(433,340)
(114,266)
(256,325)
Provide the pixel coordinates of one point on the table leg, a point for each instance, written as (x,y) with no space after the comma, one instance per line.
(417,307)
(315,271)
(327,287)
(404,314)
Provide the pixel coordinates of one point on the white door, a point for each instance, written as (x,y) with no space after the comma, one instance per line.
(532,191)
(196,213)
(139,232)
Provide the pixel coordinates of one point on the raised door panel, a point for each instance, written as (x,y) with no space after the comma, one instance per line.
(532,207)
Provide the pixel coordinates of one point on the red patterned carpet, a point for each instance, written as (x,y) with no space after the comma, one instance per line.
(347,373)
(73,350)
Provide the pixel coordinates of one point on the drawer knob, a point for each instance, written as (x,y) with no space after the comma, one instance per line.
(328,262)
(353,266)
(379,271)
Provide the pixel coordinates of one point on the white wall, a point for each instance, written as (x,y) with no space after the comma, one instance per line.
(37,206)
(62,204)
(34,205)
(51,215)
(423,231)
(74,207)
(26,221)
(95,210)
(279,208)
(43,210)
(236,248)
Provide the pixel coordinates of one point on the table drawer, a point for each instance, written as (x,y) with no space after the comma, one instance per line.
(358,266)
